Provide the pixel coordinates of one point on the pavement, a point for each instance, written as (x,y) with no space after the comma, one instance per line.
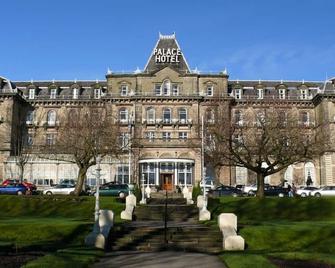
(161,259)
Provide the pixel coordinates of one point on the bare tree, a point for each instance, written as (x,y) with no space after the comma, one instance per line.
(265,141)
(82,135)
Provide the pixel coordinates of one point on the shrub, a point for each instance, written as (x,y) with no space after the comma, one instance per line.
(196,191)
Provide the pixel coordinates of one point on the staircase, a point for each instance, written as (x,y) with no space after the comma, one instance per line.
(183,232)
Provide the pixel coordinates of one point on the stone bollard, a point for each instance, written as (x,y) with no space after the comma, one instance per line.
(227,220)
(131,199)
(148,191)
(185,192)
(201,202)
(204,214)
(106,221)
(127,214)
(228,226)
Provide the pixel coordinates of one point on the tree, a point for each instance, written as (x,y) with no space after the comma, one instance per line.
(82,135)
(265,141)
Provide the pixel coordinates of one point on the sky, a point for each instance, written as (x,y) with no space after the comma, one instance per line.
(253,39)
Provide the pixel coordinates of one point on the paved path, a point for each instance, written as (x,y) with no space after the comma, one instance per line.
(163,259)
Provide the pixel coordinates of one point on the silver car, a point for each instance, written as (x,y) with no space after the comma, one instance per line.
(324,191)
(64,189)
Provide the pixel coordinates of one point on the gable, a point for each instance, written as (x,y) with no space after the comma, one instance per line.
(167,53)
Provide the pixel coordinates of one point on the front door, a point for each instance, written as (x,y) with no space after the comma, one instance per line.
(167,182)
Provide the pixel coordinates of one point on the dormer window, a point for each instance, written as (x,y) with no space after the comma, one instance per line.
(75,93)
(53,93)
(238,93)
(97,93)
(209,91)
(260,93)
(31,93)
(124,90)
(167,88)
(303,94)
(282,93)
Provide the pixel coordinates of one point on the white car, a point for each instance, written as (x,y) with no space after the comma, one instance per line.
(249,189)
(306,191)
(209,185)
(325,191)
(64,189)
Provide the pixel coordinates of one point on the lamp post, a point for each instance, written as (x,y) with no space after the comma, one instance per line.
(97,197)
(143,201)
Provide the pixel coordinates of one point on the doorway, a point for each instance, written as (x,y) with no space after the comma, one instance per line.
(167,182)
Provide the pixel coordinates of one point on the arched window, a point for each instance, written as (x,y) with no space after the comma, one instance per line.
(167,115)
(51,118)
(210,117)
(166,88)
(210,90)
(123,115)
(151,115)
(182,113)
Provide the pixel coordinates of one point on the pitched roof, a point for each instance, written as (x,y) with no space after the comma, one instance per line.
(167,52)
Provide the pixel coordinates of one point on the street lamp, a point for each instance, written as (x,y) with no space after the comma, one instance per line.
(96,238)
(97,197)
(143,201)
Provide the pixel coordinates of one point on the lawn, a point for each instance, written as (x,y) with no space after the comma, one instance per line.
(285,229)
(56,224)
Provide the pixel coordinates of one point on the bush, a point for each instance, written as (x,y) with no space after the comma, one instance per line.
(196,191)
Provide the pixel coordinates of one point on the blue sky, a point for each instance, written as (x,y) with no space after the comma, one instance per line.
(260,39)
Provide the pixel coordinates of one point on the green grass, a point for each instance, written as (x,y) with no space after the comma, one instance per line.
(75,257)
(284,228)
(47,223)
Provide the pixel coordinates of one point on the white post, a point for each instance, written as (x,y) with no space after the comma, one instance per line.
(143,201)
(97,196)
(203,171)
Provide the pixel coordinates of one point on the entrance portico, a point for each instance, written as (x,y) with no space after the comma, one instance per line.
(167,173)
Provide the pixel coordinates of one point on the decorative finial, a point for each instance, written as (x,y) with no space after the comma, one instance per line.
(225,71)
(96,81)
(137,71)
(31,81)
(237,82)
(303,81)
(196,70)
(75,80)
(259,81)
(53,80)
(109,71)
(281,81)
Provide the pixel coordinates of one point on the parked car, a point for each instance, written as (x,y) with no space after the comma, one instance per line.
(271,190)
(223,190)
(324,191)
(306,191)
(249,189)
(63,189)
(111,189)
(209,184)
(15,189)
(30,186)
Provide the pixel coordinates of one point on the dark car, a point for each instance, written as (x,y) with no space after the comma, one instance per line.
(110,189)
(14,189)
(270,190)
(225,190)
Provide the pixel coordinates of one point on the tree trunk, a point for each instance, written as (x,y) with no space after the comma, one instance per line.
(260,185)
(21,168)
(80,181)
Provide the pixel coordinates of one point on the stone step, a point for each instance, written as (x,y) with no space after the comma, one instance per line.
(169,201)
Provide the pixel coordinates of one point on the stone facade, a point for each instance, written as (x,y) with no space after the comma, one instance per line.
(159,110)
